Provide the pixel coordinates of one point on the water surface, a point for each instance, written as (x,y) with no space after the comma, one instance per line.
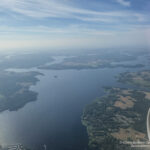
(55,118)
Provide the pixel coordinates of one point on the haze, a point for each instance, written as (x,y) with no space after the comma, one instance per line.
(57,24)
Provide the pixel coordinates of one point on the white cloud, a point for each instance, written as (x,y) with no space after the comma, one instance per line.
(72,30)
(82,38)
(56,9)
(124,2)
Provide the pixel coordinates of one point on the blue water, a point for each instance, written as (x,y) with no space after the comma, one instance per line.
(55,118)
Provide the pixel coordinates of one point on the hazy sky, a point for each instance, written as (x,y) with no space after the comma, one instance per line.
(74,23)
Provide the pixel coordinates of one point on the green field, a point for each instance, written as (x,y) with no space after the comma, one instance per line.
(119,116)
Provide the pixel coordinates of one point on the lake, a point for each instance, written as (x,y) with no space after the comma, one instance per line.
(54,119)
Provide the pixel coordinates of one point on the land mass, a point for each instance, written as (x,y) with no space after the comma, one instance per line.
(120,115)
(14,89)
(141,79)
(24,60)
(92,62)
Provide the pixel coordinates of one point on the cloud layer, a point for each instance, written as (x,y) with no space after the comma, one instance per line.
(124,3)
(52,20)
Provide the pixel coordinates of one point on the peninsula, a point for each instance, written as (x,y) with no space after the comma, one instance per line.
(120,116)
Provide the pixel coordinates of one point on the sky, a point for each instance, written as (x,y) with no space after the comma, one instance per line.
(74,24)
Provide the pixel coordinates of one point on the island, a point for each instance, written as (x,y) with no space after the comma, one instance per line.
(118,119)
(15,89)
(91,62)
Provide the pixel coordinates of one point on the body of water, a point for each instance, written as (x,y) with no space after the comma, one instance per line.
(54,119)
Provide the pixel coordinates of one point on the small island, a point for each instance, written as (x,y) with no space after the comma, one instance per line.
(120,115)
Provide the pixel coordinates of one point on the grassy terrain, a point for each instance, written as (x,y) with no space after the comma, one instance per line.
(14,89)
(89,62)
(119,116)
(141,79)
